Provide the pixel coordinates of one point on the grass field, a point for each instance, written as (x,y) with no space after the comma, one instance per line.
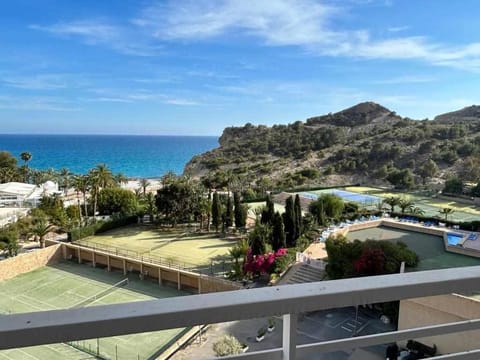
(257,205)
(196,251)
(65,285)
(429,248)
(430,205)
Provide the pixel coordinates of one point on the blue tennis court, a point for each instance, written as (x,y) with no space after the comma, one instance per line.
(345,195)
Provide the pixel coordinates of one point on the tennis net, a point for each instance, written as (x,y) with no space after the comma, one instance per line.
(101,294)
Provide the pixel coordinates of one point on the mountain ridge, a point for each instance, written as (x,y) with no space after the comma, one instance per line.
(366,142)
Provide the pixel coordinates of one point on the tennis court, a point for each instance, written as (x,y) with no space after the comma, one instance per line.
(429,248)
(66,285)
(431,206)
(365,200)
(192,251)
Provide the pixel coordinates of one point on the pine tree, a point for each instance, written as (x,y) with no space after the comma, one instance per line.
(289,222)
(216,212)
(278,232)
(240,212)
(298,216)
(229,213)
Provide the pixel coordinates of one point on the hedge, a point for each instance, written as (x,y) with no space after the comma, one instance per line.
(99,227)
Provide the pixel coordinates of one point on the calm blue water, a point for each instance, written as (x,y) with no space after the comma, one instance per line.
(454,239)
(134,156)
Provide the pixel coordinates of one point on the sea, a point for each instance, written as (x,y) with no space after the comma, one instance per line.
(134,156)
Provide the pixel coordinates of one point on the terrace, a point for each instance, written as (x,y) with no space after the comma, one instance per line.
(289,301)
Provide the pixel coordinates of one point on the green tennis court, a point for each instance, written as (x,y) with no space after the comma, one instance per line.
(431,206)
(429,248)
(175,246)
(67,284)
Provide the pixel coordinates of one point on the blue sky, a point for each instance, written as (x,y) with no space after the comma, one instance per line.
(195,67)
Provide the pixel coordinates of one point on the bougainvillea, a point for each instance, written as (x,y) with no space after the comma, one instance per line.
(261,264)
(371,262)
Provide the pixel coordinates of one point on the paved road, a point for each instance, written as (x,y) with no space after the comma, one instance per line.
(312,327)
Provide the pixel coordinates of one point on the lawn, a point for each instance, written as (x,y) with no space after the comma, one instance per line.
(258,205)
(430,205)
(66,284)
(190,250)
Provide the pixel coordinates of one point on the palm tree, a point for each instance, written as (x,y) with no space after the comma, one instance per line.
(65,177)
(446,212)
(40,230)
(103,176)
(144,183)
(417,211)
(392,201)
(8,174)
(80,183)
(9,241)
(405,205)
(168,178)
(205,211)
(99,178)
(25,156)
(120,179)
(150,206)
(236,252)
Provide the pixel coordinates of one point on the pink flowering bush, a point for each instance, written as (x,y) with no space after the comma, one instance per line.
(262,264)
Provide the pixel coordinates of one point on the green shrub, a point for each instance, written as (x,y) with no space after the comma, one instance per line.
(99,227)
(228,345)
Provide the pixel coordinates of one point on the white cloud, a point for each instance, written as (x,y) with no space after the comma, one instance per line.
(101,32)
(180,102)
(278,22)
(111,99)
(44,81)
(37,103)
(306,23)
(115,96)
(398,28)
(406,79)
(310,24)
(38,82)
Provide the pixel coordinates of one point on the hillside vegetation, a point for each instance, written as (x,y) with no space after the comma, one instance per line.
(366,143)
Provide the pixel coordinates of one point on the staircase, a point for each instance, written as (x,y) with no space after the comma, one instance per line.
(303,273)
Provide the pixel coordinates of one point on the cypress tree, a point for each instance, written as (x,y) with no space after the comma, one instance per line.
(216,212)
(240,212)
(258,237)
(269,212)
(229,213)
(298,216)
(278,232)
(289,222)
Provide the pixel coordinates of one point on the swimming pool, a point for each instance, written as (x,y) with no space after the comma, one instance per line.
(454,239)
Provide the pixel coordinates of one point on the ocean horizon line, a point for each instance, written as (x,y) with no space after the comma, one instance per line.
(136,156)
(68,134)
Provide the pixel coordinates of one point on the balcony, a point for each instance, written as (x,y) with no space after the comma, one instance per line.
(288,301)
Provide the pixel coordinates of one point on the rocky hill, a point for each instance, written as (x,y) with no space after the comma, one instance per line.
(366,143)
(470,113)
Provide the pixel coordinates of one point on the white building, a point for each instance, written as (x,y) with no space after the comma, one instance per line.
(16,194)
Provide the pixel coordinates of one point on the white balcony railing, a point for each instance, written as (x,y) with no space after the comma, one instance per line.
(57,326)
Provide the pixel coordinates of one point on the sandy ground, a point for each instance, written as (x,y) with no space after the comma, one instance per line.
(316,251)
(133,185)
